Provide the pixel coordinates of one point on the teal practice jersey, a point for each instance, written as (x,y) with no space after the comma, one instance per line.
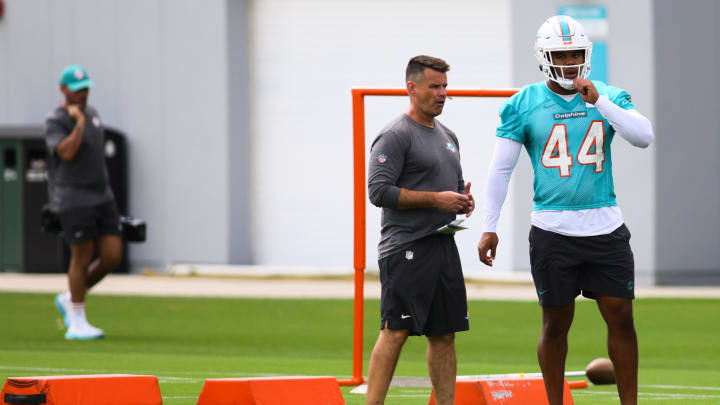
(568,144)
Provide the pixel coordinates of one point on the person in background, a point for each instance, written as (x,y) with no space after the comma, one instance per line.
(79,192)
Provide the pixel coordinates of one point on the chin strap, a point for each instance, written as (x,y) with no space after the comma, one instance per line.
(566,86)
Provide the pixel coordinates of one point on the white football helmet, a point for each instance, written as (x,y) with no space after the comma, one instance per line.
(561,33)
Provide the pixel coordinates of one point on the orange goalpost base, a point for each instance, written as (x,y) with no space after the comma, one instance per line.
(359,223)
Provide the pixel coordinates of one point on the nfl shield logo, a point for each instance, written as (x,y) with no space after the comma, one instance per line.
(382,158)
(409,254)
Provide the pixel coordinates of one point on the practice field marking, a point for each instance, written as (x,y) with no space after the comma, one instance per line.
(404,393)
(244,374)
(681,387)
(427,391)
(668,395)
(654,395)
(161,378)
(168,380)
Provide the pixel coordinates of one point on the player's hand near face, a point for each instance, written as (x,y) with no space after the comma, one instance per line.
(75,113)
(488,243)
(471,200)
(587,90)
(451,201)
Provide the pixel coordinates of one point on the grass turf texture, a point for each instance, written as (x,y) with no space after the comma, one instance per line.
(185,340)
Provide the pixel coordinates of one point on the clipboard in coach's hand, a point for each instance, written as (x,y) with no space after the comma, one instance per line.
(451,227)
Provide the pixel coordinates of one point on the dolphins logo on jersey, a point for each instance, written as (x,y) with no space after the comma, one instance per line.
(450,146)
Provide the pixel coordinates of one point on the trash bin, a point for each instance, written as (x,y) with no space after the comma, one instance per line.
(11,206)
(116,163)
(43,252)
(23,192)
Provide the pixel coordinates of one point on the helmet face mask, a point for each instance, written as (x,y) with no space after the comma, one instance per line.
(562,33)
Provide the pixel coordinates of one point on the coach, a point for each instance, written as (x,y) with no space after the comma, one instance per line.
(415,176)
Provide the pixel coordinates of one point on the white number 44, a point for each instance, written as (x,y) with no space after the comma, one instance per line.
(556,152)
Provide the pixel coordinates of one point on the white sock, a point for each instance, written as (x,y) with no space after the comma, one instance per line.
(78,313)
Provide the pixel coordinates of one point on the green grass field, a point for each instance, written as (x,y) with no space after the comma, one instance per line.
(185,340)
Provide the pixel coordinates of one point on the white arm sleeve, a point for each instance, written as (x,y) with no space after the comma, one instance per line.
(629,124)
(504,160)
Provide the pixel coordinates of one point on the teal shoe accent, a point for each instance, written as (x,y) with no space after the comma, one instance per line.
(63,311)
(80,336)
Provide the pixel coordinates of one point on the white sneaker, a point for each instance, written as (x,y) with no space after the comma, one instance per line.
(64,306)
(83,331)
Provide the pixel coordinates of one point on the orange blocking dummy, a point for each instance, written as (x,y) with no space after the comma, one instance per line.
(101,389)
(271,391)
(511,391)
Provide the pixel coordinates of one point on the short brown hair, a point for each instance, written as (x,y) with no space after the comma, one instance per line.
(418,64)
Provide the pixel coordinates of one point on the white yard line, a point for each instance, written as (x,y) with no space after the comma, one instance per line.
(653,395)
(681,387)
(407,396)
(159,374)
(402,393)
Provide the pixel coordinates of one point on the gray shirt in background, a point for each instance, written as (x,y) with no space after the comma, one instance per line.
(83,181)
(412,156)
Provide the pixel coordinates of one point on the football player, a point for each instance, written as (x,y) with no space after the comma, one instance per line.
(579,243)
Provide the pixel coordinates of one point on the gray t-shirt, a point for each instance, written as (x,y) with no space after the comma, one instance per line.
(412,156)
(83,181)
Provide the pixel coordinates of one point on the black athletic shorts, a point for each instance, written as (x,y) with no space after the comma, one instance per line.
(423,288)
(565,266)
(88,223)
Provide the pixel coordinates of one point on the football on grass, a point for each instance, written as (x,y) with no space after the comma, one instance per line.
(600,371)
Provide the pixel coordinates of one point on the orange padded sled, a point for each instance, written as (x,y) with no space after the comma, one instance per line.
(271,391)
(101,389)
(510,391)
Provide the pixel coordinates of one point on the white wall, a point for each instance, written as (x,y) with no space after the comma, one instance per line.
(160,70)
(305,58)
(688,143)
(634,169)
(167,74)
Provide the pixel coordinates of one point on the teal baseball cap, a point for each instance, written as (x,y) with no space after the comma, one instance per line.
(76,78)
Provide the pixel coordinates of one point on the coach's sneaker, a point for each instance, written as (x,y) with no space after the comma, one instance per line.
(83,331)
(63,305)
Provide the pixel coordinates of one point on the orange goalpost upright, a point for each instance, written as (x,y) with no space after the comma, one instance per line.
(358,106)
